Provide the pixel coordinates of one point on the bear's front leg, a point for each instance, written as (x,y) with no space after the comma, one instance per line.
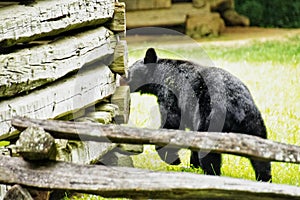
(210,163)
(262,170)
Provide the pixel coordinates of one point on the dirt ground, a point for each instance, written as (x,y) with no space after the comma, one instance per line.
(231,35)
(245,34)
(234,33)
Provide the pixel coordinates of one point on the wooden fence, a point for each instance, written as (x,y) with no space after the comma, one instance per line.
(137,183)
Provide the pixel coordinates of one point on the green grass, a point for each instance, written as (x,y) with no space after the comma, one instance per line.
(270,69)
(4,143)
(283,52)
(276,52)
(89,197)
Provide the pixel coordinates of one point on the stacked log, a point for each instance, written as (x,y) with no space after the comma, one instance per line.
(59,59)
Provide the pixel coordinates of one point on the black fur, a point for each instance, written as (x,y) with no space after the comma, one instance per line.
(202,99)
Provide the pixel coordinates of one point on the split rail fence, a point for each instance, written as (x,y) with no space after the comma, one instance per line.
(137,183)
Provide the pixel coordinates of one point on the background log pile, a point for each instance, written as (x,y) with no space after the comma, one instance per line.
(199,17)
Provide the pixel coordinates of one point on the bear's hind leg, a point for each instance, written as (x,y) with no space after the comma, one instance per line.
(211,163)
(262,170)
(169,155)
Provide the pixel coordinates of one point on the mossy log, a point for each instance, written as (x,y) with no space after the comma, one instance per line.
(137,183)
(24,23)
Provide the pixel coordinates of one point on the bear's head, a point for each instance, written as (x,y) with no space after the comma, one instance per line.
(141,72)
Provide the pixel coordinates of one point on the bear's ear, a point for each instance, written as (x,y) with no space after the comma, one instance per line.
(150,56)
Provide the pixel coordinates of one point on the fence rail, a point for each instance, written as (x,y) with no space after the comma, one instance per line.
(231,143)
(136,183)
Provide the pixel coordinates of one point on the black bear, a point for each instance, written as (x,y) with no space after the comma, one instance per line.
(199,98)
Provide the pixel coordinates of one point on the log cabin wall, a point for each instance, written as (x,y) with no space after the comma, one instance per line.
(59,59)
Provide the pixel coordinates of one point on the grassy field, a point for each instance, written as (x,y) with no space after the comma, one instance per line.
(270,69)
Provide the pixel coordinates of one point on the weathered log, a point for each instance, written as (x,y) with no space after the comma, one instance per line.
(45,18)
(132,149)
(220,5)
(27,69)
(118,22)
(117,157)
(5,4)
(91,84)
(17,192)
(113,109)
(231,143)
(86,152)
(137,183)
(228,13)
(101,117)
(199,3)
(36,144)
(203,25)
(232,18)
(120,58)
(122,99)
(82,152)
(162,17)
(148,4)
(73,115)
